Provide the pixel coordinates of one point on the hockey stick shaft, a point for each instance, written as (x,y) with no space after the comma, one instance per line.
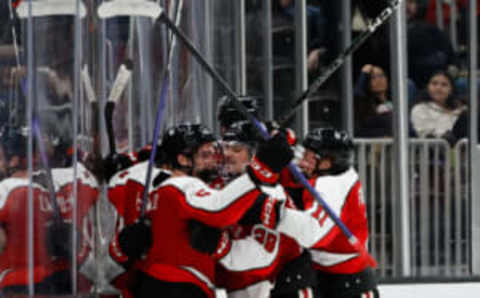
(159,116)
(108,114)
(156,135)
(209,69)
(339,61)
(120,83)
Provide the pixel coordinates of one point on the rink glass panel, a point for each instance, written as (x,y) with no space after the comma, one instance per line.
(50,222)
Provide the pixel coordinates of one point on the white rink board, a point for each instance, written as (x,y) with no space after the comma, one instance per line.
(434,290)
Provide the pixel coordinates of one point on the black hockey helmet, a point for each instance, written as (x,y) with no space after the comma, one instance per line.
(331,143)
(229,114)
(242,132)
(184,139)
(13,141)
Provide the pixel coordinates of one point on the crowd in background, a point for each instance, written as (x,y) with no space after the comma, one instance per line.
(431,56)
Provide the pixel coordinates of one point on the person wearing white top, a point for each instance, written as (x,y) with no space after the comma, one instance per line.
(436,116)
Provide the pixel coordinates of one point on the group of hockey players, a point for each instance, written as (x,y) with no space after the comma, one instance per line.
(226,213)
(220,213)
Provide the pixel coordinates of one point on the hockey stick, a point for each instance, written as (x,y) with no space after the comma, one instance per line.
(144,8)
(11,7)
(159,116)
(87,83)
(121,80)
(50,8)
(297,174)
(117,8)
(356,43)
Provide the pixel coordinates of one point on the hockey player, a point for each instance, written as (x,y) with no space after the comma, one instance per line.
(181,203)
(50,275)
(86,199)
(125,192)
(341,271)
(273,254)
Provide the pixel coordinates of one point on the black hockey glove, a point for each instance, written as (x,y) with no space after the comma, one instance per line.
(272,156)
(59,239)
(115,163)
(265,210)
(289,133)
(135,240)
(203,238)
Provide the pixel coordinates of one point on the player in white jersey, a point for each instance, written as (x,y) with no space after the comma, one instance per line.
(341,270)
(261,257)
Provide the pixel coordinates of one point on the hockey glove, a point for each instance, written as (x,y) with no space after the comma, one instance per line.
(289,133)
(115,163)
(204,238)
(272,156)
(265,210)
(135,240)
(59,240)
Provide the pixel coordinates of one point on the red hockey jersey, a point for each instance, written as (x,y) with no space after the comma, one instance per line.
(173,204)
(87,196)
(125,194)
(14,263)
(343,193)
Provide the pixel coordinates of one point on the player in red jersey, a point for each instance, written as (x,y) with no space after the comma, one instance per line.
(125,192)
(86,199)
(50,275)
(327,162)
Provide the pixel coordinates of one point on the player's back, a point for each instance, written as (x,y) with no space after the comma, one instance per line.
(344,195)
(14,203)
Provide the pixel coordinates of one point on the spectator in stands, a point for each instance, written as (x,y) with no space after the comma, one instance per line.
(438,109)
(373,108)
(429,48)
